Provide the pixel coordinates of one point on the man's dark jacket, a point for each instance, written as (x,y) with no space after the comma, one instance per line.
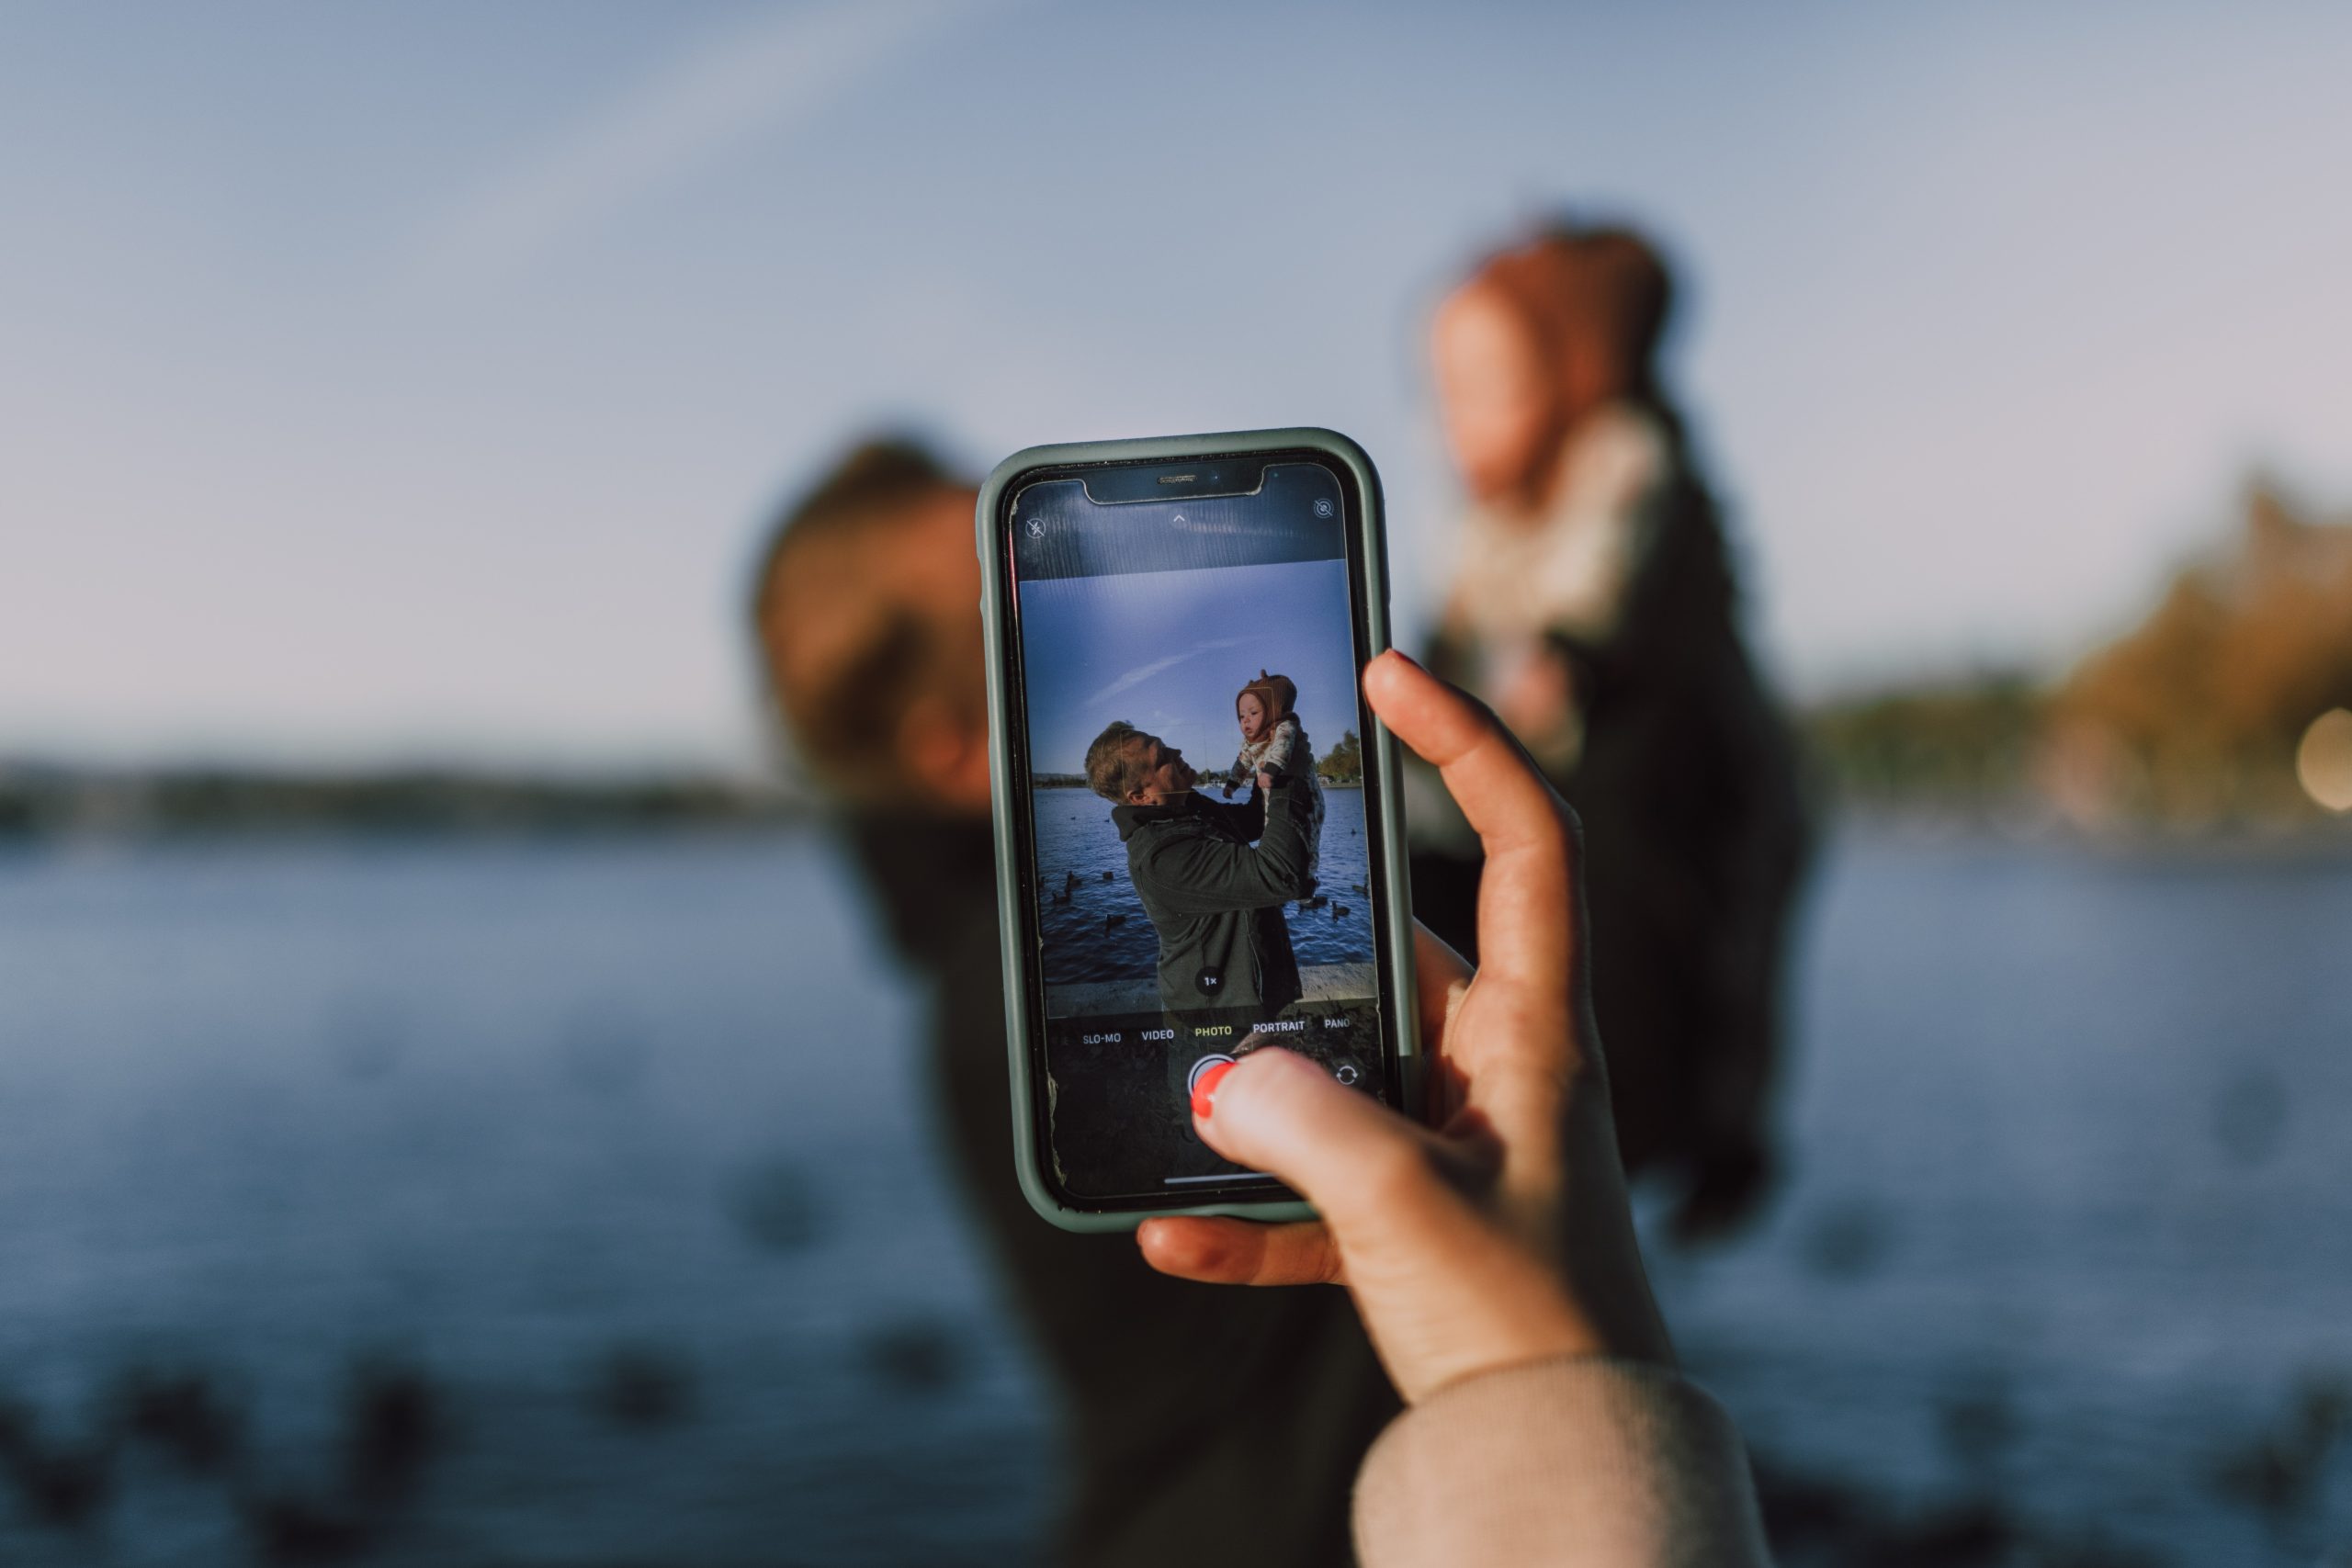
(1202,1424)
(1215,900)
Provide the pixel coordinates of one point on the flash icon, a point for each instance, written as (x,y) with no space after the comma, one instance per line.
(1036,527)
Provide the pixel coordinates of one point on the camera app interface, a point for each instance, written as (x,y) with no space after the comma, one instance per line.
(1202,864)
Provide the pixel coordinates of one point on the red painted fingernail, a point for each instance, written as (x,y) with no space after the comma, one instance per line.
(1204,1087)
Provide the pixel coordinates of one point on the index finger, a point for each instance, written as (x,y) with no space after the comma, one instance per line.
(1526,900)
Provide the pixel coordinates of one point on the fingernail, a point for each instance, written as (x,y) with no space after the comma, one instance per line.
(1204,1087)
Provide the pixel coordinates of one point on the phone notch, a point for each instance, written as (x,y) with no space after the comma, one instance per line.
(1175,481)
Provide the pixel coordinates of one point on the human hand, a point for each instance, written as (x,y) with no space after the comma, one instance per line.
(1503,1236)
(1265,780)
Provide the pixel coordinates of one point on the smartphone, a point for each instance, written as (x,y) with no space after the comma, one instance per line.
(1199,848)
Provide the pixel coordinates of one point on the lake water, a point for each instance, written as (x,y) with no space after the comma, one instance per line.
(572,1203)
(1075,838)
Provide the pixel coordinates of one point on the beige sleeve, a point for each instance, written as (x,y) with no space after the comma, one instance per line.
(1604,525)
(1281,741)
(1584,1462)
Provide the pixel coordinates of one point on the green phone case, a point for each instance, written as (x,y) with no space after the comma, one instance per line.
(1390,847)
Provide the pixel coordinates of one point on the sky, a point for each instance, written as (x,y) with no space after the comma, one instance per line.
(399,383)
(1169,651)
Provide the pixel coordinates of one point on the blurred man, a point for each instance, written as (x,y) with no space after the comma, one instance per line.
(1202,1427)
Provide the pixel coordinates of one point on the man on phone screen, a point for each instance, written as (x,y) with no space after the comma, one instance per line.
(1215,900)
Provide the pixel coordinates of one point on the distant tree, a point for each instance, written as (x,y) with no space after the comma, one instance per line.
(2193,717)
(1343,764)
(1956,744)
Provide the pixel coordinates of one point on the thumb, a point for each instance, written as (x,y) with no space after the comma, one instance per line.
(1339,1148)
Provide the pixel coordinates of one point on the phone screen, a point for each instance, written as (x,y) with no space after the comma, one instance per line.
(1203,875)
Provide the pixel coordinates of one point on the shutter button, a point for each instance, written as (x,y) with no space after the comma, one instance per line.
(1207,1073)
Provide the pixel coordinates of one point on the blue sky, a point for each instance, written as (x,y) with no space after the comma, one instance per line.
(414,381)
(1169,650)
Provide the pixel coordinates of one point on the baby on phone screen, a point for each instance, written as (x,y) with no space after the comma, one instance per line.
(1274,746)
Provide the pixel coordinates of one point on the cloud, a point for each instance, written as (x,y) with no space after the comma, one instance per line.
(1141,674)
(783,71)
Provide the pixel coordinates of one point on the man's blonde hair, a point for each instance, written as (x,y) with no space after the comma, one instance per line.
(1114,767)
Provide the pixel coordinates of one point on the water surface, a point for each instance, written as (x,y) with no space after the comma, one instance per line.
(620,1150)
